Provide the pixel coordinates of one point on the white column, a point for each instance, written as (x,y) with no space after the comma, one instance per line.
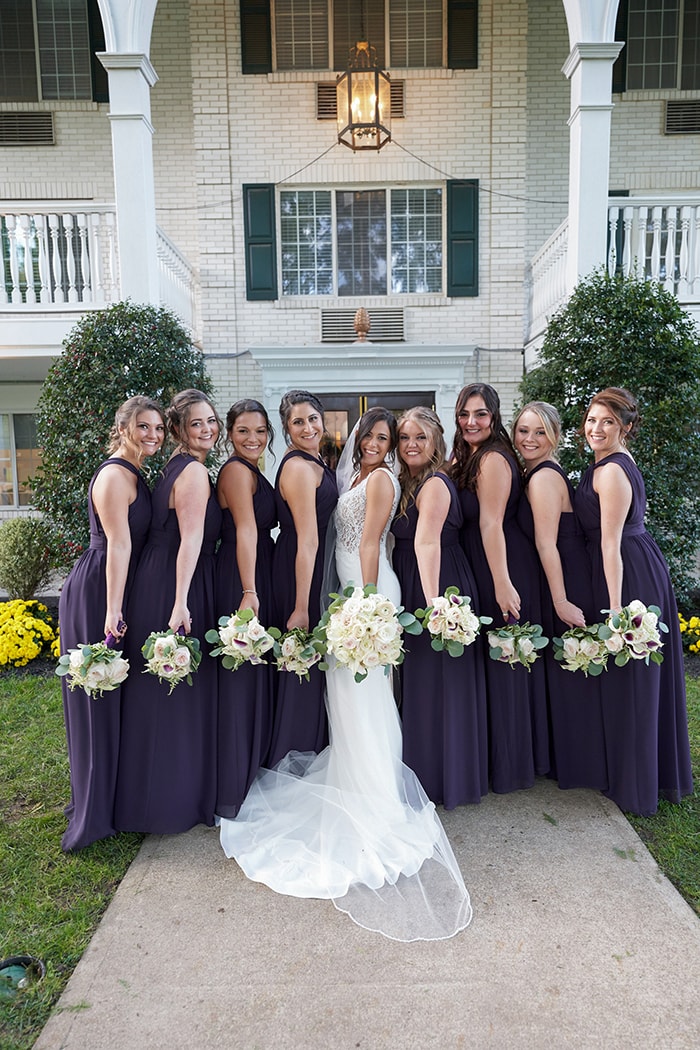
(589,68)
(131,77)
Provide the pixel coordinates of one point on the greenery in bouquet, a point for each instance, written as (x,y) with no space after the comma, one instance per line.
(26,632)
(363,629)
(583,649)
(452,622)
(96,668)
(298,651)
(241,638)
(517,643)
(172,657)
(635,633)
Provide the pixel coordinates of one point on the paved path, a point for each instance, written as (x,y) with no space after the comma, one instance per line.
(577,942)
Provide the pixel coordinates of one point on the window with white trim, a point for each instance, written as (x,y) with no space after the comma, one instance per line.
(662,49)
(47,50)
(20,458)
(361,242)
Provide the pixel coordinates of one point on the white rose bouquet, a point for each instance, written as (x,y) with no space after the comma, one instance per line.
(583,649)
(98,668)
(298,651)
(635,633)
(240,639)
(452,622)
(172,657)
(517,643)
(362,629)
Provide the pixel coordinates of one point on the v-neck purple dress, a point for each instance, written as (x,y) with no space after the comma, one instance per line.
(644,707)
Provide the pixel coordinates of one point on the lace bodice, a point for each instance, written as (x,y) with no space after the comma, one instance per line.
(350,515)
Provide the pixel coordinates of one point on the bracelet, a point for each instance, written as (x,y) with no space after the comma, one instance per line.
(559,602)
(247,590)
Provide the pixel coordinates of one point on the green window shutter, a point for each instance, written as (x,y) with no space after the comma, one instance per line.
(619,72)
(462,34)
(256,36)
(260,243)
(100,84)
(463,237)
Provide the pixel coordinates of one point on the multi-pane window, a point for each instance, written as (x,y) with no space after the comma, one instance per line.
(361,242)
(19,458)
(403,32)
(662,44)
(46,50)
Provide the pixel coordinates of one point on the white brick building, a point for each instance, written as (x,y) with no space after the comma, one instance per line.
(508,108)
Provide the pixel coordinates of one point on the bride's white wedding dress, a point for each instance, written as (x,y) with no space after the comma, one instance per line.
(353,823)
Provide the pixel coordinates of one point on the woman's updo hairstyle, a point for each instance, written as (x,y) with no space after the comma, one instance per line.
(298,397)
(178,415)
(369,420)
(623,406)
(249,404)
(548,417)
(123,431)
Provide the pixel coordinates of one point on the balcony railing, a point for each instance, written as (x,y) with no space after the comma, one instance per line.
(653,239)
(68,258)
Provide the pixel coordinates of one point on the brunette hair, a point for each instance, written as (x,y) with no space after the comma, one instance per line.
(249,404)
(549,417)
(465,465)
(622,405)
(298,397)
(430,422)
(125,420)
(371,417)
(178,414)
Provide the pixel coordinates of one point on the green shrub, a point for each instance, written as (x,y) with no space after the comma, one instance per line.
(26,557)
(109,356)
(628,332)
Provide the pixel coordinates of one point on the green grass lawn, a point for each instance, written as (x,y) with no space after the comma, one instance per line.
(51,902)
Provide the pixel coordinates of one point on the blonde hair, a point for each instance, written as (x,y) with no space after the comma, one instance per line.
(178,414)
(125,419)
(429,421)
(549,418)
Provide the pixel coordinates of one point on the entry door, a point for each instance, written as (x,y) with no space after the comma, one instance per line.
(342,411)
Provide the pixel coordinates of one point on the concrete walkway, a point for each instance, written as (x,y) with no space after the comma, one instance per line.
(577,942)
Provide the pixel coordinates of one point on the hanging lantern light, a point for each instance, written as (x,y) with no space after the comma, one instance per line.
(363,97)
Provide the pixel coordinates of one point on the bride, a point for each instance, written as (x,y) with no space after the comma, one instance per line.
(353,824)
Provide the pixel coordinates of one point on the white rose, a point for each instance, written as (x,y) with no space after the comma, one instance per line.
(76,660)
(525,647)
(589,647)
(256,631)
(571,648)
(181,657)
(615,643)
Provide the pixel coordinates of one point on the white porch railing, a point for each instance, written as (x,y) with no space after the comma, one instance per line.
(658,240)
(55,256)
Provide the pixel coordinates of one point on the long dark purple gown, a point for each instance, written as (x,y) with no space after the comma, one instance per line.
(245,696)
(300,722)
(644,710)
(443,698)
(167,759)
(92,726)
(517,698)
(578,752)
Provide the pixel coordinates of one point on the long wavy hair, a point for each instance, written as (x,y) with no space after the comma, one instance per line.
(430,423)
(249,404)
(466,462)
(125,420)
(371,417)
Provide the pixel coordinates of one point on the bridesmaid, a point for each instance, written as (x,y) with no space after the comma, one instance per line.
(167,759)
(546,515)
(486,472)
(244,581)
(91,606)
(644,710)
(443,698)
(306,495)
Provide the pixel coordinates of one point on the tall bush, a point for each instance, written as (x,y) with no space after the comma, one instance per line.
(624,331)
(109,356)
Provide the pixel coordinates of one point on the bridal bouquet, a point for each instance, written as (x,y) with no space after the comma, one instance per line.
(297,651)
(452,622)
(362,629)
(240,639)
(171,657)
(635,633)
(583,649)
(517,643)
(98,668)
